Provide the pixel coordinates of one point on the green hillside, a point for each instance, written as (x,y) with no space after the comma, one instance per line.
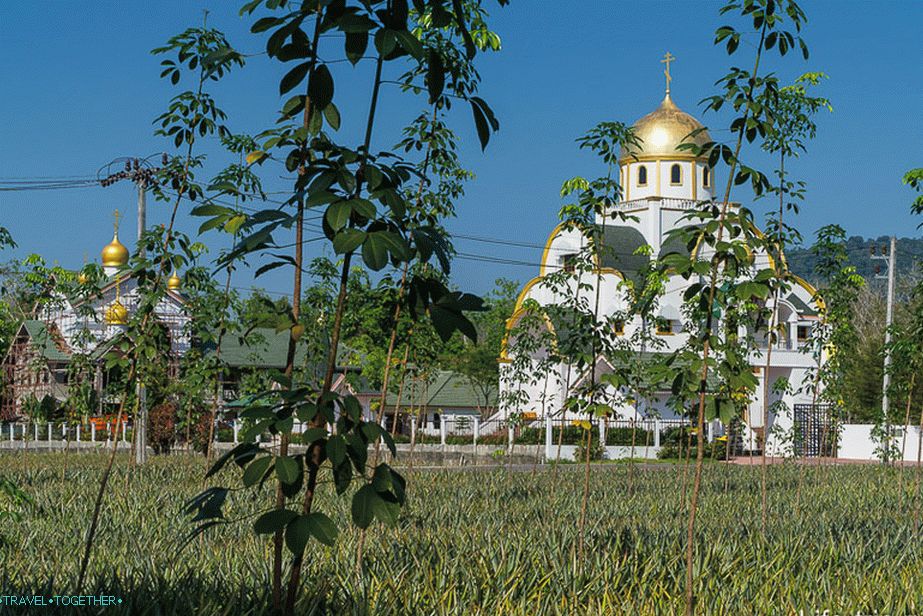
(909,252)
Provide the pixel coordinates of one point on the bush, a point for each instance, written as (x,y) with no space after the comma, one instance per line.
(597,452)
(716,450)
(623,436)
(162,427)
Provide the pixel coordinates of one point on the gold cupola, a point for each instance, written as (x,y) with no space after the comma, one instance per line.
(117,313)
(174,282)
(661,131)
(115,254)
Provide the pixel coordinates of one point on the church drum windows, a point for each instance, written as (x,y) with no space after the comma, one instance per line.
(642,176)
(676,175)
(706,176)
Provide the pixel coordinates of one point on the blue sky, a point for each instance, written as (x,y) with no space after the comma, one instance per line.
(81,88)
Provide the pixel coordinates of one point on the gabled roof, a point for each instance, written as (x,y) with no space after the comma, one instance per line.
(801,308)
(446,390)
(48,342)
(263,347)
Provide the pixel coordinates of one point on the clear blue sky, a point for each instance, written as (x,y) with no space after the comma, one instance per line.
(81,88)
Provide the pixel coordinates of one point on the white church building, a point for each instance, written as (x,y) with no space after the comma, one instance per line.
(660,185)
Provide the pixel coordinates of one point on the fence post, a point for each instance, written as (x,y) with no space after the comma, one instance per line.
(93,432)
(35,425)
(657,428)
(124,431)
(548,437)
(477,430)
(442,430)
(413,430)
(509,430)
(602,432)
(711,431)
(78,432)
(236,430)
(12,437)
(49,431)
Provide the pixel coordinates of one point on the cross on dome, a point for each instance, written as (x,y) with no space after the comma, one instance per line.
(667,58)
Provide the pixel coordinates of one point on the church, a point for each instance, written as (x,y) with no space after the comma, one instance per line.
(37,364)
(661,184)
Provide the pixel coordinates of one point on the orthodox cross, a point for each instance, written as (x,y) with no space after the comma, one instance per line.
(666,60)
(116,225)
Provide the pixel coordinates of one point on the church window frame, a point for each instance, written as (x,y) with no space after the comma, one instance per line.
(665,327)
(618,327)
(676,171)
(642,175)
(706,176)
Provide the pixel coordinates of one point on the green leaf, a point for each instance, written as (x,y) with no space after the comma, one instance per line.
(272,521)
(348,240)
(256,470)
(288,469)
(375,251)
(386,511)
(320,87)
(435,75)
(363,506)
(322,528)
(297,534)
(332,115)
(338,214)
(313,434)
(336,449)
(356,44)
(294,77)
(410,43)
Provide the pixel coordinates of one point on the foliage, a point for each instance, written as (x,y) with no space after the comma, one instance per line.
(162,427)
(596,451)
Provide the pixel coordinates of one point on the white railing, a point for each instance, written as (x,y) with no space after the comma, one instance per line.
(667,202)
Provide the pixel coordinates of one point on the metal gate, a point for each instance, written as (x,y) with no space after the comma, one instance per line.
(814,430)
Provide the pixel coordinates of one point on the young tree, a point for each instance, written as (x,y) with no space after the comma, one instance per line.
(365,213)
(720,228)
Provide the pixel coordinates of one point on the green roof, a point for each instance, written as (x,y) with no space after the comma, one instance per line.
(262,347)
(445,390)
(49,346)
(802,308)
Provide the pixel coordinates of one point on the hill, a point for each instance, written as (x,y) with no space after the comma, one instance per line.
(909,252)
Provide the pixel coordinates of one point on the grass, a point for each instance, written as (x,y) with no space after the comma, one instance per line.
(482,543)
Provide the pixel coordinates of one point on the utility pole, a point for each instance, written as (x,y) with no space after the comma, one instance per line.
(142,173)
(890,258)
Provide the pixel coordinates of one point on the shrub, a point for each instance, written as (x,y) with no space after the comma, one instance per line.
(597,451)
(162,427)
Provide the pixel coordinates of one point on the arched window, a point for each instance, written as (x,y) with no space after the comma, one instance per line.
(706,176)
(676,175)
(642,176)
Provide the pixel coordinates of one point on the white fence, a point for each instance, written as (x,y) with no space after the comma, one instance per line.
(856,442)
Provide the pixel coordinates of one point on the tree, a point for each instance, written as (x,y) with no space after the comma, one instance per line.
(365,213)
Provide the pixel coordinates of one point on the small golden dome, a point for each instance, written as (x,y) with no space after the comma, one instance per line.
(115,254)
(116,314)
(82,278)
(174,282)
(662,130)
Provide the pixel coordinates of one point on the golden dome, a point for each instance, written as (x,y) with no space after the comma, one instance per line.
(174,282)
(115,254)
(82,278)
(662,130)
(116,314)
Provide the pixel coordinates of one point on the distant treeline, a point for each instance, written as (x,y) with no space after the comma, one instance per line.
(909,252)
